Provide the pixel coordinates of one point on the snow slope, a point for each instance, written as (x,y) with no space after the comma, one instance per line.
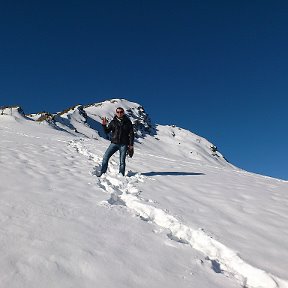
(181,216)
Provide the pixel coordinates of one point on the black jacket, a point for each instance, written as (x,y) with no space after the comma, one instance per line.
(122,130)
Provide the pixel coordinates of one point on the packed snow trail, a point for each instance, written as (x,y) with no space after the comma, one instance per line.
(124,192)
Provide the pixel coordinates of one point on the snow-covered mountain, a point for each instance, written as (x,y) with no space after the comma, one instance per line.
(181,216)
(85,121)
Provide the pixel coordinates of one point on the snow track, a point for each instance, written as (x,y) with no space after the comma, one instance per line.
(123,191)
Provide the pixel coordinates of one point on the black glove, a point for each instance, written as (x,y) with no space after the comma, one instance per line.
(130,151)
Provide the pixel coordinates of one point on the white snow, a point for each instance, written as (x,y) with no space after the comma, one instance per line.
(182,216)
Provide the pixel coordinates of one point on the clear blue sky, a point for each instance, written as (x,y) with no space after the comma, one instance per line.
(217,68)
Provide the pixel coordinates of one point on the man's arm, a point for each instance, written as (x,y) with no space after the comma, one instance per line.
(131,136)
(106,128)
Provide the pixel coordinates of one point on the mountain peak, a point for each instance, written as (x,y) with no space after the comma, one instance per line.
(86,121)
(13,112)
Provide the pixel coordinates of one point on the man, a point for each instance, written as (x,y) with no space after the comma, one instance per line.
(122,139)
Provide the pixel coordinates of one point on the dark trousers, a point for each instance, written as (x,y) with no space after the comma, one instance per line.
(113,148)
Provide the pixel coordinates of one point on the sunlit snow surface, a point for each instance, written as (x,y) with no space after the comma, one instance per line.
(179,218)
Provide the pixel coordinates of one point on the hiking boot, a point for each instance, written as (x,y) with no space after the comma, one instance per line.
(98,173)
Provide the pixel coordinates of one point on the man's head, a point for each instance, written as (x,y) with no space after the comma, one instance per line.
(120,112)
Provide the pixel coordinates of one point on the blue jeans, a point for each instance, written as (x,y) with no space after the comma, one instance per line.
(110,151)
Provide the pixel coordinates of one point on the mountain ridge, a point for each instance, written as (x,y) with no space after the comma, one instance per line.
(86,121)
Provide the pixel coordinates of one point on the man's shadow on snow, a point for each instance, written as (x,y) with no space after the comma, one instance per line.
(171,174)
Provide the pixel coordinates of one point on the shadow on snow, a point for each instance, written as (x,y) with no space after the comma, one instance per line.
(171,174)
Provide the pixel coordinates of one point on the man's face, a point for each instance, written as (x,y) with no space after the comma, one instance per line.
(119,113)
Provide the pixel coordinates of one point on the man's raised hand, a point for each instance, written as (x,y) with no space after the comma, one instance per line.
(104,121)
